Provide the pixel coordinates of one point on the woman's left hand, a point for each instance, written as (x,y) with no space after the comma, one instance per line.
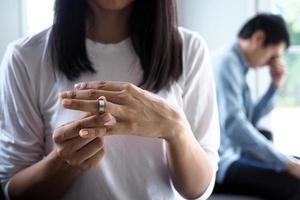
(137,111)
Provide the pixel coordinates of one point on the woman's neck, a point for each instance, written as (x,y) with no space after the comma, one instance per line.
(109,26)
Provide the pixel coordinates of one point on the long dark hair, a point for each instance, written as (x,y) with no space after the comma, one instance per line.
(154,34)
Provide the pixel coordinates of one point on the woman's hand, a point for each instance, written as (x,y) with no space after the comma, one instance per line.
(77,148)
(137,112)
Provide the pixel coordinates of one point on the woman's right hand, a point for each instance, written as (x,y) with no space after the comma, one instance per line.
(77,149)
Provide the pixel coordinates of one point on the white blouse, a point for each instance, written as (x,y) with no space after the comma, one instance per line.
(132,167)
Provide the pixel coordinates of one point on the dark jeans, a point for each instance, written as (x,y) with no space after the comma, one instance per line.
(249,177)
(256,179)
(1,194)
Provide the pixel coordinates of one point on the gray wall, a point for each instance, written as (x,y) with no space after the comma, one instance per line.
(216,20)
(219,21)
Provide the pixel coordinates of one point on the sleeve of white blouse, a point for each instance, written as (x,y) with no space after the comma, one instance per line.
(21,125)
(199,99)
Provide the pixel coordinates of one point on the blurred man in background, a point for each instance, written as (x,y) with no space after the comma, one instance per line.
(249,162)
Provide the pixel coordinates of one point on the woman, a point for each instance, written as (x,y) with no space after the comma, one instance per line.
(160,126)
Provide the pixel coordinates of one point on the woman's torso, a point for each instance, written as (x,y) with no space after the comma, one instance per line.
(132,167)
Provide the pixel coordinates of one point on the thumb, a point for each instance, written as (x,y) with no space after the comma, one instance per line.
(92,132)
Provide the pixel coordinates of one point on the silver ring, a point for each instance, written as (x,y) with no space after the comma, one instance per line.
(101,104)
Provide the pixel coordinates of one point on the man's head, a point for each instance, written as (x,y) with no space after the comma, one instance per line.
(263,39)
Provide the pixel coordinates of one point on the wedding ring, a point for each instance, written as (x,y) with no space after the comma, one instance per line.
(101,104)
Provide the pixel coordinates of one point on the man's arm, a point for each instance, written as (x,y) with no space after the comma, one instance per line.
(265,105)
(238,128)
(267,102)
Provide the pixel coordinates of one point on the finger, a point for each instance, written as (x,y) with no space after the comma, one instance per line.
(93,106)
(109,85)
(104,85)
(118,97)
(92,161)
(82,105)
(93,132)
(85,115)
(71,130)
(68,147)
(278,70)
(87,152)
(82,116)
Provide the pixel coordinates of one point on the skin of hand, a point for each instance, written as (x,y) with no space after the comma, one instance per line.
(293,167)
(77,150)
(137,112)
(142,113)
(73,153)
(277,71)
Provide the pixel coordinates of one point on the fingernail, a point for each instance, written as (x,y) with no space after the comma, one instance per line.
(64,94)
(83,133)
(67,102)
(77,85)
(80,86)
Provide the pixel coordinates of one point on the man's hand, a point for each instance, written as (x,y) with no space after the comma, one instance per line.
(277,71)
(293,168)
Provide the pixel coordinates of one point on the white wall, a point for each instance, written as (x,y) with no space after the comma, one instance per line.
(37,9)
(10,23)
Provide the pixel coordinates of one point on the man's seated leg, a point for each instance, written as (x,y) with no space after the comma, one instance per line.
(246,177)
(1,194)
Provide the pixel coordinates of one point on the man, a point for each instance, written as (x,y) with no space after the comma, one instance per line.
(249,162)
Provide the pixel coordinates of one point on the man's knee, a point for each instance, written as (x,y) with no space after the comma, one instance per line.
(294,189)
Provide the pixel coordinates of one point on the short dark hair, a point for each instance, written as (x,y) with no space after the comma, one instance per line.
(272,25)
(154,34)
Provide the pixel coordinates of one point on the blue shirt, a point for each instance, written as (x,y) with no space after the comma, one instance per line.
(239,114)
